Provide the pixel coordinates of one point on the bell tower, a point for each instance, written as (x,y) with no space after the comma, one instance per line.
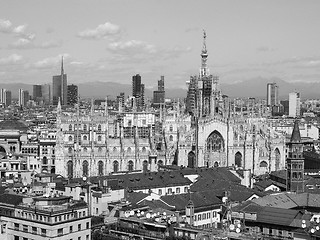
(295,162)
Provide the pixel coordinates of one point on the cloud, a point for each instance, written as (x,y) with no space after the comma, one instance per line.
(105,30)
(11,60)
(135,51)
(5,26)
(25,43)
(265,49)
(51,61)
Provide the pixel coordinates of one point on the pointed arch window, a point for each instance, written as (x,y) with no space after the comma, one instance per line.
(70,127)
(99,127)
(85,127)
(115,166)
(99,138)
(70,138)
(130,166)
(85,168)
(100,168)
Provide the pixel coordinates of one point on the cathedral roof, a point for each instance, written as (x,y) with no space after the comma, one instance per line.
(13,124)
(295,137)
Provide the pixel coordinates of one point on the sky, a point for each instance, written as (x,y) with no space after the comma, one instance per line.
(112,40)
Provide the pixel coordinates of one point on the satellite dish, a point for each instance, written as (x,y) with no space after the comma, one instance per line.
(148,215)
(127,214)
(157,219)
(142,213)
(237,230)
(312,230)
(131,213)
(164,213)
(138,214)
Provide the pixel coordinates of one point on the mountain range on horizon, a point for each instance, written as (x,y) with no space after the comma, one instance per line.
(256,87)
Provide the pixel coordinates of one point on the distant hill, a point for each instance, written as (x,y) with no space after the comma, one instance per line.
(256,87)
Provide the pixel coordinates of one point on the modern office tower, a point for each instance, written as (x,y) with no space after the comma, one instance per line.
(59,88)
(46,93)
(272,94)
(72,94)
(159,95)
(2,91)
(295,162)
(136,85)
(161,84)
(23,97)
(138,91)
(7,98)
(37,93)
(294,104)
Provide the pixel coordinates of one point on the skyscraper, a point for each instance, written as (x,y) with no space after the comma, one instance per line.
(161,84)
(23,97)
(138,91)
(46,93)
(59,88)
(136,85)
(159,95)
(5,97)
(272,94)
(294,104)
(72,94)
(37,93)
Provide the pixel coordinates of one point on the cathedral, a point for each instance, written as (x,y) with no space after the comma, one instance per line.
(206,131)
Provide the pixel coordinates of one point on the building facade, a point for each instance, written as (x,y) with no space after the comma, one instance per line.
(294,104)
(59,87)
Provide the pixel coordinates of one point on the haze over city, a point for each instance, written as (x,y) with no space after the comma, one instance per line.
(109,41)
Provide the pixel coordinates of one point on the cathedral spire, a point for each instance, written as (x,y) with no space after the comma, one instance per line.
(204,55)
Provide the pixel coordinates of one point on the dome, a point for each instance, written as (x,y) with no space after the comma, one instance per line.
(12,124)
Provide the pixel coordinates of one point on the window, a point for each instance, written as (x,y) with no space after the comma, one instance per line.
(70,138)
(87,237)
(160,191)
(34,230)
(185,189)
(177,190)
(70,127)
(71,229)
(43,232)
(79,227)
(170,138)
(169,191)
(25,228)
(16,226)
(85,138)
(60,231)
(85,127)
(171,128)
(79,238)
(99,128)
(99,138)
(87,225)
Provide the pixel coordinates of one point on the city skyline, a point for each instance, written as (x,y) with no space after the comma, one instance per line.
(114,40)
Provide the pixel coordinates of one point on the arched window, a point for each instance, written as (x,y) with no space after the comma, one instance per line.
(70,169)
(85,127)
(129,150)
(264,164)
(44,160)
(144,150)
(171,128)
(115,166)
(191,160)
(99,149)
(70,127)
(99,128)
(85,149)
(160,162)
(114,149)
(277,158)
(238,159)
(130,166)
(85,168)
(85,138)
(170,138)
(216,164)
(70,150)
(70,138)
(99,138)
(215,142)
(100,168)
